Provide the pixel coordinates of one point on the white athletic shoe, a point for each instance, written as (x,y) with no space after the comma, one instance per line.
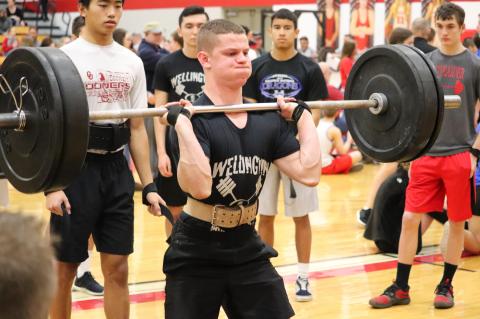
(302,290)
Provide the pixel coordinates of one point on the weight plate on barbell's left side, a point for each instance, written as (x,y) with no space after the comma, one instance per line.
(430,99)
(440,101)
(75,118)
(399,133)
(30,158)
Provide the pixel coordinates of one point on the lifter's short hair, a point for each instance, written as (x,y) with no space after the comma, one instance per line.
(27,272)
(207,36)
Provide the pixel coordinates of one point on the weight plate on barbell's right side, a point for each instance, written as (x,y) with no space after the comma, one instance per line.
(399,133)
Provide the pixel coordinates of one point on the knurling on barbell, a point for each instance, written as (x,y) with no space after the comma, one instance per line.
(394,110)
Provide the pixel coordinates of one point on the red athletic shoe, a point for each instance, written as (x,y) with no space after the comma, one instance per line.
(444,296)
(393,295)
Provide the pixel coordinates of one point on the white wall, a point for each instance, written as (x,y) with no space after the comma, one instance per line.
(308,26)
(134,20)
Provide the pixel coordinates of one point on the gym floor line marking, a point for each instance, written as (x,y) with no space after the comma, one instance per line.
(373,263)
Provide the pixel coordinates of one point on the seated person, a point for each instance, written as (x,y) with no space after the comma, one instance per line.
(337,156)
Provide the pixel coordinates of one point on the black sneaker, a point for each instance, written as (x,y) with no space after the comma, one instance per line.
(88,284)
(363,215)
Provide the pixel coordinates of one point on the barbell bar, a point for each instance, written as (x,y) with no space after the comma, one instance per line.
(394,109)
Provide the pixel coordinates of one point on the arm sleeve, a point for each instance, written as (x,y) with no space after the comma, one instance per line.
(160,80)
(138,94)
(317,87)
(286,143)
(202,135)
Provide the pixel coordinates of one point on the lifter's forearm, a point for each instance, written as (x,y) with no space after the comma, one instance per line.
(139,150)
(194,174)
(310,156)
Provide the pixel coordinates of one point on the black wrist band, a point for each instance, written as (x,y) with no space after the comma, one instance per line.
(150,188)
(298,111)
(174,112)
(475,152)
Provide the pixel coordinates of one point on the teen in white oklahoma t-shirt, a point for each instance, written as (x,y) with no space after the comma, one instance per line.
(113,76)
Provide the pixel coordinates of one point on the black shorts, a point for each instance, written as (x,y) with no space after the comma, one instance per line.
(476,208)
(206,270)
(168,187)
(102,205)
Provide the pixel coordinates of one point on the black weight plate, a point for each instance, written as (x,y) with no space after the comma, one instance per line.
(430,114)
(75,117)
(29,158)
(440,101)
(394,135)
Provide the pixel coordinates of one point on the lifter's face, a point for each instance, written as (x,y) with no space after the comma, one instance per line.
(228,60)
(102,16)
(189,28)
(283,33)
(449,31)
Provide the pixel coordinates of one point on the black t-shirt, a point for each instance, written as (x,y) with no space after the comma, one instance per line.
(298,77)
(180,76)
(240,158)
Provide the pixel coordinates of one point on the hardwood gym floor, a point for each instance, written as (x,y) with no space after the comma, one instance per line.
(346,269)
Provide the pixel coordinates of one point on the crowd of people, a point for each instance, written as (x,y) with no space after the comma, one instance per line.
(211,174)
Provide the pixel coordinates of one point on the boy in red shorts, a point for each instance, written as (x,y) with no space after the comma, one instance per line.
(447,168)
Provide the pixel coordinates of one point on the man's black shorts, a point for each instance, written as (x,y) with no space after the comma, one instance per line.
(102,205)
(206,270)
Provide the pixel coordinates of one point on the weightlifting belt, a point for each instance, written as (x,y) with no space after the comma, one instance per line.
(221,216)
(108,137)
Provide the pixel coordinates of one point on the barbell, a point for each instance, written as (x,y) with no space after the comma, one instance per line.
(394,111)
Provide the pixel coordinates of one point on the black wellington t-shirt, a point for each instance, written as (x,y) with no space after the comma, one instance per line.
(240,158)
(180,76)
(298,77)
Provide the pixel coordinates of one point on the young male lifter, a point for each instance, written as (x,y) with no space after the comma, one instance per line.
(177,76)
(215,256)
(100,200)
(447,168)
(285,72)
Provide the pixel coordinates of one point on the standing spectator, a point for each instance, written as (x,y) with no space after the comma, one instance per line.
(77,26)
(334,94)
(431,37)
(401,35)
(151,52)
(252,54)
(306,50)
(259,44)
(469,44)
(136,39)
(346,62)
(44,9)
(176,42)
(421,32)
(285,72)
(122,37)
(177,76)
(14,13)
(5,22)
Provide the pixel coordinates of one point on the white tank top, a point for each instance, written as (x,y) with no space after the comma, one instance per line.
(326,145)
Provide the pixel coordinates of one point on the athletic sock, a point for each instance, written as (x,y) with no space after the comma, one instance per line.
(448,272)
(403,272)
(303,270)
(85,265)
